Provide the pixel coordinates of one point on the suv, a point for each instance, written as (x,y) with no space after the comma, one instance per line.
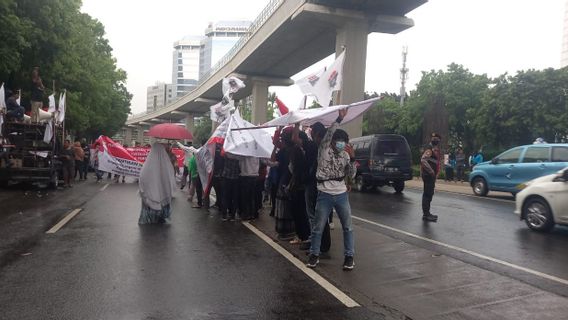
(517,165)
(382,159)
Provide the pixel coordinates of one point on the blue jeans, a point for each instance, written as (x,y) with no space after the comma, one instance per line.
(325,203)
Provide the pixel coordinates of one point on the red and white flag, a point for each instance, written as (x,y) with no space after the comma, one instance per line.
(282,108)
(322,83)
(114,158)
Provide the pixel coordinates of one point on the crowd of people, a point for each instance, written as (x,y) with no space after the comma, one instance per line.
(305,179)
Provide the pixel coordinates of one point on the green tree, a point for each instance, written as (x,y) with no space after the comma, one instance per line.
(73,54)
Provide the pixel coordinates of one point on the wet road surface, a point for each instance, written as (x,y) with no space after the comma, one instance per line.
(482,225)
(102,265)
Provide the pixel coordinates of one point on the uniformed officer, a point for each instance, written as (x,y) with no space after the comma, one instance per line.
(429,169)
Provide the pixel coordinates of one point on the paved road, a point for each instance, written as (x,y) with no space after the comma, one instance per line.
(483,225)
(102,265)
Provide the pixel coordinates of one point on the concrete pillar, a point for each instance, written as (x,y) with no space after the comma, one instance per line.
(259,101)
(189,124)
(128,136)
(140,135)
(353,35)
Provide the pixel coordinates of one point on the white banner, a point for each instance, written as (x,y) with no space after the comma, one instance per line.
(250,143)
(326,116)
(120,166)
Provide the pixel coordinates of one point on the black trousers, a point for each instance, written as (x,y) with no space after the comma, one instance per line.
(428,193)
(247,200)
(231,197)
(217,184)
(298,203)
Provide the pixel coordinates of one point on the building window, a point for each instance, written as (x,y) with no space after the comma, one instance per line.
(180,61)
(180,68)
(180,74)
(179,54)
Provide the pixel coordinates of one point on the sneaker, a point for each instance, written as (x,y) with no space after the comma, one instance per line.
(331,225)
(348,263)
(224,218)
(313,261)
(430,217)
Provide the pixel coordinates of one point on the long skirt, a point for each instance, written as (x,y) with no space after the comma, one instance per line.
(283,214)
(149,215)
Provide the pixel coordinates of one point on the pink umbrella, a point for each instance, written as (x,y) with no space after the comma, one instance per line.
(169,131)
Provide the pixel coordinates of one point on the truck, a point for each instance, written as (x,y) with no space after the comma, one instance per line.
(26,157)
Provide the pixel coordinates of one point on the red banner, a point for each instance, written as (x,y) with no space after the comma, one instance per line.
(140,153)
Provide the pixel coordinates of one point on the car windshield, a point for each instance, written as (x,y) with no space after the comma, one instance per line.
(391,148)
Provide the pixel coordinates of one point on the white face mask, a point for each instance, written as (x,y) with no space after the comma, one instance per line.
(340,145)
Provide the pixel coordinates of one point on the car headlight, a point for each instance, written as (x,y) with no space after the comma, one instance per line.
(521,186)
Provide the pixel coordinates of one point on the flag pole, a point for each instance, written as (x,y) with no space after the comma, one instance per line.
(254,128)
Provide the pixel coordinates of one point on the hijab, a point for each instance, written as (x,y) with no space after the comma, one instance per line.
(157,182)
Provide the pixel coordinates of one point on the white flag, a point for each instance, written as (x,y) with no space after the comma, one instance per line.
(61,111)
(2,98)
(19,98)
(322,83)
(2,106)
(52,107)
(48,134)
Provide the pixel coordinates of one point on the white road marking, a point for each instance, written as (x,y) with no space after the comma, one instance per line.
(104,187)
(338,294)
(475,254)
(63,221)
(467,195)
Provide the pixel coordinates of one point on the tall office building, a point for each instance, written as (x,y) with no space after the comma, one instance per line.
(158,96)
(186,59)
(220,37)
(564,56)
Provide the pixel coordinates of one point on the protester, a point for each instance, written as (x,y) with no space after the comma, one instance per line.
(196,186)
(86,159)
(283,211)
(156,185)
(248,173)
(460,164)
(188,150)
(67,163)
(259,187)
(335,162)
(318,131)
(13,109)
(449,164)
(298,168)
(37,94)
(79,158)
(98,173)
(229,205)
(429,169)
(217,181)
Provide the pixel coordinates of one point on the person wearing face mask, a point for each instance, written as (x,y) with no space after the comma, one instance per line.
(429,169)
(334,164)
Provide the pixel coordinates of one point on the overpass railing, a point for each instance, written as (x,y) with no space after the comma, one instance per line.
(256,24)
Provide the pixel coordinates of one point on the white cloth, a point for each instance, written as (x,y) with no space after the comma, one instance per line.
(250,143)
(157,182)
(326,116)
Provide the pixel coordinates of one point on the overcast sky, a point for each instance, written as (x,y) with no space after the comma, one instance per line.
(486,36)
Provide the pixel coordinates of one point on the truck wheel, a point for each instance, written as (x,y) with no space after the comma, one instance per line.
(398,186)
(54,181)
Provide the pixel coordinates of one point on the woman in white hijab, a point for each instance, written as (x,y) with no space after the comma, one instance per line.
(156,184)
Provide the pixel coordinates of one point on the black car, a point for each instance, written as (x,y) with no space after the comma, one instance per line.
(382,159)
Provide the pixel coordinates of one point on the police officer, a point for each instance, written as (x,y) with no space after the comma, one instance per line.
(429,168)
